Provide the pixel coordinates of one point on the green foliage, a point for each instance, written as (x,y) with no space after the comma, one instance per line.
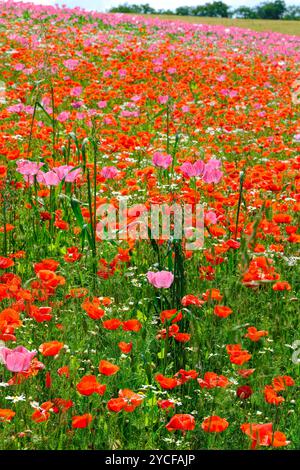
(140,9)
(292,13)
(273,10)
(246,13)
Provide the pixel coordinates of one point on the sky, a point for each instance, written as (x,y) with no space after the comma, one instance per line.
(104,5)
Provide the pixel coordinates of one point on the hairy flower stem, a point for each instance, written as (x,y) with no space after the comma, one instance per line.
(93,229)
(242,178)
(4,226)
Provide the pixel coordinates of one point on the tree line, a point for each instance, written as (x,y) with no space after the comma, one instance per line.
(274,10)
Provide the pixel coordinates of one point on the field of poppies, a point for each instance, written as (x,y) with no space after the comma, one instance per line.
(129,341)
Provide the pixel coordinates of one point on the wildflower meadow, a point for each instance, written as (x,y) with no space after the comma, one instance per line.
(149,233)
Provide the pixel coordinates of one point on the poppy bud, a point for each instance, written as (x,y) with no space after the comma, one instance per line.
(48,380)
(244,392)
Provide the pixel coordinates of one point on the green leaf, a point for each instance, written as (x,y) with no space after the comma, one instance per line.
(43,109)
(152,401)
(161,354)
(75,204)
(141,316)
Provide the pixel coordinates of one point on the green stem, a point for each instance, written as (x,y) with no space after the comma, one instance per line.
(242,178)
(4,227)
(168,129)
(93,232)
(53,122)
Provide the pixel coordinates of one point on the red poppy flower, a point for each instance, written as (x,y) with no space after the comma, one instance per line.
(42,414)
(170,315)
(281,382)
(6,414)
(263,435)
(41,314)
(112,324)
(207,273)
(181,422)
(259,433)
(127,401)
(283,285)
(72,255)
(182,337)
(64,371)
(191,300)
(81,421)
(132,325)
(214,424)
(6,263)
(222,311)
(165,404)
(93,309)
(237,355)
(212,380)
(132,400)
(212,294)
(51,349)
(125,347)
(255,335)
(46,264)
(245,372)
(116,404)
(184,376)
(278,439)
(61,405)
(271,396)
(107,368)
(89,385)
(166,383)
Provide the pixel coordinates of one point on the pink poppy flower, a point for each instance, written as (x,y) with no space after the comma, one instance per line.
(49,179)
(136,98)
(221,78)
(109,172)
(211,217)
(63,116)
(185,108)
(67,173)
(76,91)
(193,169)
(71,64)
(102,104)
(212,172)
(171,70)
(77,104)
(28,168)
(163,99)
(16,108)
(297,137)
(161,160)
(16,360)
(160,279)
(107,73)
(19,67)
